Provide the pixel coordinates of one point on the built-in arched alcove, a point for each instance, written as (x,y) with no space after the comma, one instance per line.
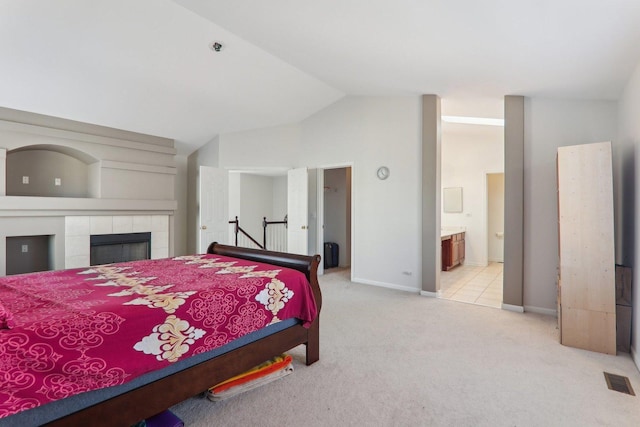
(49,171)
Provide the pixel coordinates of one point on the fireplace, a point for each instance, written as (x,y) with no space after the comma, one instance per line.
(110,248)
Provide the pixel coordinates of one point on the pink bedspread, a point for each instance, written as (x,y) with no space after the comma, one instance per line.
(84,329)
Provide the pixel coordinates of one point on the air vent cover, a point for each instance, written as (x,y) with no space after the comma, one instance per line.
(618,383)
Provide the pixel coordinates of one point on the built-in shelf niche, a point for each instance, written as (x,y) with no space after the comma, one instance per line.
(49,171)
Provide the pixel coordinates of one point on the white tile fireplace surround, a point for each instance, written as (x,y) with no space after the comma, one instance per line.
(78,230)
(70,222)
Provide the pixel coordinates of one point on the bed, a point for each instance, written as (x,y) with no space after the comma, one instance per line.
(153,392)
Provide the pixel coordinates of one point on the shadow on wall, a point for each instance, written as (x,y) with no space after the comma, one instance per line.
(627,191)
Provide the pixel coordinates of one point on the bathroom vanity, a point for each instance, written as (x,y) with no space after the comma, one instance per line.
(452,247)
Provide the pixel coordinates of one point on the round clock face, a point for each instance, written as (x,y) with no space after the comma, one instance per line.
(383,172)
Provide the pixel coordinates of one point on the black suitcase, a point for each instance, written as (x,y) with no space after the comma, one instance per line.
(331,255)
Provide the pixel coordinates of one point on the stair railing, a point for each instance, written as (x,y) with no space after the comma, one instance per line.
(245,238)
(277,236)
(273,238)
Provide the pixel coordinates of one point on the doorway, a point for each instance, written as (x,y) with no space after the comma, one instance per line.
(253,194)
(470,147)
(495,217)
(335,208)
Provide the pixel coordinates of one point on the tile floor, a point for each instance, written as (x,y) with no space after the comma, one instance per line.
(475,285)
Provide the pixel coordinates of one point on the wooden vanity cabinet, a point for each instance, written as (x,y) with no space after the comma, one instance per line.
(452,251)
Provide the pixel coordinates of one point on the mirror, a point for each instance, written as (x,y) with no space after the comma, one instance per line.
(452,199)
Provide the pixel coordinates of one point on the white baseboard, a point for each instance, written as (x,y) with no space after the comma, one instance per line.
(540,310)
(474,264)
(430,294)
(635,357)
(385,285)
(516,308)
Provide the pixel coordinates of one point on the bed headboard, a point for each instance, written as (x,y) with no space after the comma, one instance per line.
(302,263)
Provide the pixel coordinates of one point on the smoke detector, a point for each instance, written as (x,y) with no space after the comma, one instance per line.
(216,46)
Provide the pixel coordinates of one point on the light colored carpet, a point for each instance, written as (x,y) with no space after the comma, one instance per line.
(391,358)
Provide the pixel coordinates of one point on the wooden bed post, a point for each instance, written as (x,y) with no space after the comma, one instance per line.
(313,344)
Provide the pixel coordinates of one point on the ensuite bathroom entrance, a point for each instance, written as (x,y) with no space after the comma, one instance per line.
(472,214)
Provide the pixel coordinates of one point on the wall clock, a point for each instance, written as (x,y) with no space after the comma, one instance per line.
(383,172)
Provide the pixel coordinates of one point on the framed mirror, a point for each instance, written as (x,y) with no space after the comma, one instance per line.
(452,199)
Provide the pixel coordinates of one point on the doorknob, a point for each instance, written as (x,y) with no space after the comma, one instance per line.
(203,227)
(304,227)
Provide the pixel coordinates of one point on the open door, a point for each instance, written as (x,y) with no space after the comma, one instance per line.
(213,201)
(297,206)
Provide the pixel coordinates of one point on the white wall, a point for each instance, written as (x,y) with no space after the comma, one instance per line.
(371,132)
(235,179)
(550,124)
(495,220)
(469,152)
(256,202)
(366,132)
(279,198)
(180,220)
(276,147)
(627,183)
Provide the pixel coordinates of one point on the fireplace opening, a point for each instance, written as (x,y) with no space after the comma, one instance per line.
(28,254)
(110,248)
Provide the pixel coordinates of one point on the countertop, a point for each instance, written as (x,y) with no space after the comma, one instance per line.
(450,231)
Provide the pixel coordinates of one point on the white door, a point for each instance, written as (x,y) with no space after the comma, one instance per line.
(297,211)
(213,202)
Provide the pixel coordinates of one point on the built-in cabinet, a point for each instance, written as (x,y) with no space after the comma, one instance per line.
(452,250)
(586,280)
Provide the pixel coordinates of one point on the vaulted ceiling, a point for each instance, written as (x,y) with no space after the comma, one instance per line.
(146,65)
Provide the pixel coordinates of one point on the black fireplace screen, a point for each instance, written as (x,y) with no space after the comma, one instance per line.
(110,248)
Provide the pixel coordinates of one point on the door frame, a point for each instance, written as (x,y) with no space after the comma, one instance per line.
(514,147)
(486,211)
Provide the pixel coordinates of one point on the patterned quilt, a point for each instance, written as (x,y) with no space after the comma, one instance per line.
(83,329)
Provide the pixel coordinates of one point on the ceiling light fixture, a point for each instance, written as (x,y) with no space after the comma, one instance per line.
(473,120)
(216,46)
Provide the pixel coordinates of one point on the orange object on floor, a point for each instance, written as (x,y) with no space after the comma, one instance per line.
(266,368)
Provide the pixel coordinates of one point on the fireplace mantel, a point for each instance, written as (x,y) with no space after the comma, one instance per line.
(62,206)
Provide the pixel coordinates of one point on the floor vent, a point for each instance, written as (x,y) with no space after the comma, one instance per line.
(618,383)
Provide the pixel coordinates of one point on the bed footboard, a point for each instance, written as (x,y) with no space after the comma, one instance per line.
(305,264)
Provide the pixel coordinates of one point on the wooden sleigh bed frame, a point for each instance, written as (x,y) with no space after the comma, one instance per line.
(131,407)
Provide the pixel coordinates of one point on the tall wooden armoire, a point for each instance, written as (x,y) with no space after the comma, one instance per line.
(586,282)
